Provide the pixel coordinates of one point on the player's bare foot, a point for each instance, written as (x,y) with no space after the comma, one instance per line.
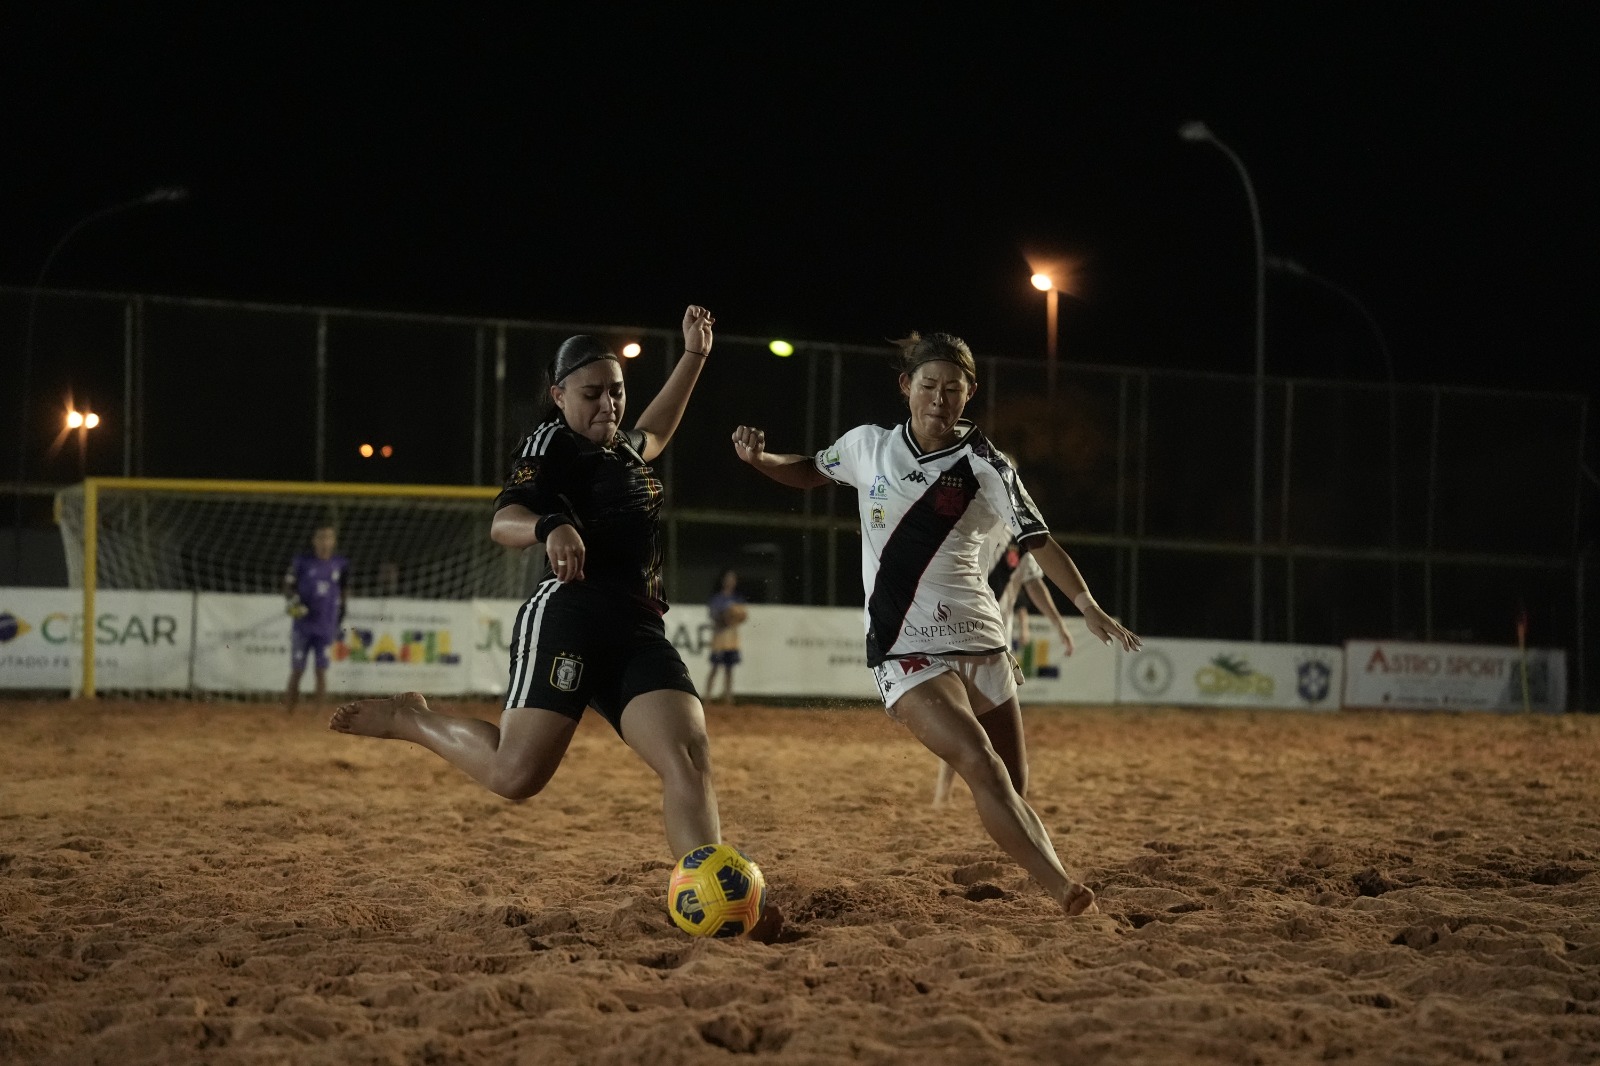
(376,718)
(1079,899)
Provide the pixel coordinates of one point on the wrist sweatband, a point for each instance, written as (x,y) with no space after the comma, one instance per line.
(547,524)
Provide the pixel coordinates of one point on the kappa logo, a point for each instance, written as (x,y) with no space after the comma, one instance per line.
(917,477)
(565,673)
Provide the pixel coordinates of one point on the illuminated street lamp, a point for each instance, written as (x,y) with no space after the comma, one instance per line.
(164,195)
(1198,132)
(83,422)
(1047,285)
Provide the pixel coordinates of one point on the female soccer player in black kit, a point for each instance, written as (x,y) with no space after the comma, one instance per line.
(592,633)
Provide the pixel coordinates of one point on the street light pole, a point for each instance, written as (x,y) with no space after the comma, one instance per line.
(1290,266)
(1048,284)
(1199,132)
(165,195)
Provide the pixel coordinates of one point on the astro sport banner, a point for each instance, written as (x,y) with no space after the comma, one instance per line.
(1460,677)
(1209,673)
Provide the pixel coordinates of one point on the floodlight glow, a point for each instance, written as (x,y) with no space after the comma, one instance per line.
(366,451)
(631,350)
(782,349)
(91,420)
(1043,282)
(387,451)
(74,419)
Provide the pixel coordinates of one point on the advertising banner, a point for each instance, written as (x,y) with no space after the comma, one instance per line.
(820,652)
(489,662)
(817,652)
(1088,675)
(141,639)
(387,645)
(1461,677)
(1212,673)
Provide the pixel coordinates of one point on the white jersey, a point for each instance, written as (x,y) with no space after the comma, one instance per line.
(1006,568)
(924,517)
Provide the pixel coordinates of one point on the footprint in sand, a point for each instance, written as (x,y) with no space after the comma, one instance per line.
(972,873)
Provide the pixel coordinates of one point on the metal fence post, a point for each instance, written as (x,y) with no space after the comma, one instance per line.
(321,400)
(1283,513)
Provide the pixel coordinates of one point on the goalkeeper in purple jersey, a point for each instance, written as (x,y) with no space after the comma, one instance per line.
(314,588)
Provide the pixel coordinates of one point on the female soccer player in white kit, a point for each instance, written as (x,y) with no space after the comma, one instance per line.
(929,490)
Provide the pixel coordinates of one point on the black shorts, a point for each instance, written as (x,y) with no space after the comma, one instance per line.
(578,645)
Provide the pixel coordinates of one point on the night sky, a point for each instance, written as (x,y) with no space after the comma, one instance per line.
(843,178)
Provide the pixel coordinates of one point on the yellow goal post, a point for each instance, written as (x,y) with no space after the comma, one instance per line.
(182,535)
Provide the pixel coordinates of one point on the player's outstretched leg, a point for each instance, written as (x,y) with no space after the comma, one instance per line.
(937,713)
(514,760)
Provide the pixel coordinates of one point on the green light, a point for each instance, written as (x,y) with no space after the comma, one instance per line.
(781,348)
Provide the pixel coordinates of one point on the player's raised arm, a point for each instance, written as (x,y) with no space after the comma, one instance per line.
(660,420)
(796,471)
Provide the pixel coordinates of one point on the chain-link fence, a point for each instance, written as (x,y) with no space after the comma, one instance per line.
(1421,512)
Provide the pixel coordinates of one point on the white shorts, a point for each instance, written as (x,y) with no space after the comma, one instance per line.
(990,680)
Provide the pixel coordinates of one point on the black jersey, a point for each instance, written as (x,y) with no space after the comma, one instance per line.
(611,495)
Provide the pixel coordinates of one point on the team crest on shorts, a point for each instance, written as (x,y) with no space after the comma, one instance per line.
(565,673)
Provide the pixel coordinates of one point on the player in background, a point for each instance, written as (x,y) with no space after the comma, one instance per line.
(314,587)
(592,633)
(929,490)
(728,612)
(1009,570)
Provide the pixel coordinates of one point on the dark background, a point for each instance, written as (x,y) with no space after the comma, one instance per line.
(842,177)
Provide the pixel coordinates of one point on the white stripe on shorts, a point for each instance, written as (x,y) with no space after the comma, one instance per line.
(525,636)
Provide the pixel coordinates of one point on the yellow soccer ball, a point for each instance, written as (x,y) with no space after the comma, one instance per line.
(716,891)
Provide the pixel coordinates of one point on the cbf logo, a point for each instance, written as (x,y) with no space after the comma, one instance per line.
(880,488)
(565,673)
(1313,679)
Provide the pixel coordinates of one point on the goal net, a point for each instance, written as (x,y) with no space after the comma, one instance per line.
(211,556)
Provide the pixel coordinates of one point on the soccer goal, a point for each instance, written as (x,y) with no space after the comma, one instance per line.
(189,546)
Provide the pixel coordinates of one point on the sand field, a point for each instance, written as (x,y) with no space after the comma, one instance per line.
(224,883)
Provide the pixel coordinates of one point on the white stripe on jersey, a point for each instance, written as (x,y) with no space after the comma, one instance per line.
(924,517)
(525,643)
(540,439)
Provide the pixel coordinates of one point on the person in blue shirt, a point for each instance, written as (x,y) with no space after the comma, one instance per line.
(314,588)
(727,610)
